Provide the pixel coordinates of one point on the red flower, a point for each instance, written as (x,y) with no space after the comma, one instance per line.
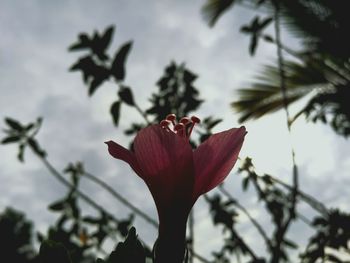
(175,174)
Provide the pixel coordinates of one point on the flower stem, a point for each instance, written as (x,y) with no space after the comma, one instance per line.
(171,243)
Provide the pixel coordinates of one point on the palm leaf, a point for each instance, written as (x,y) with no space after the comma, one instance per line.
(213,9)
(322,24)
(265,94)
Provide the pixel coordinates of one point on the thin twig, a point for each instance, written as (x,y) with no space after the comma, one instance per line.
(283,230)
(234,234)
(245,211)
(137,107)
(318,206)
(143,114)
(122,199)
(244,245)
(83,196)
(305,220)
(199,257)
(191,234)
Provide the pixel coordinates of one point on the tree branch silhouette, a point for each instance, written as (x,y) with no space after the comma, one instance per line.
(245,211)
(281,232)
(122,199)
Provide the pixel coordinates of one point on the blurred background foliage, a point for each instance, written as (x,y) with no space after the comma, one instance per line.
(318,71)
(321,66)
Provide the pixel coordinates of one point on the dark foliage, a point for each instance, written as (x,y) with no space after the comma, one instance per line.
(97,67)
(255,29)
(332,232)
(23,135)
(176,93)
(16,237)
(53,252)
(322,27)
(78,238)
(131,250)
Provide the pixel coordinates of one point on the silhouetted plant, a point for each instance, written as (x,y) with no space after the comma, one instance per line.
(16,237)
(78,238)
(321,67)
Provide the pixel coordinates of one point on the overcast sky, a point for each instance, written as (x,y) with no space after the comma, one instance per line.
(35,82)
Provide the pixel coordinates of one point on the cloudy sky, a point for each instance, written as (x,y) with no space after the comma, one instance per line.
(35,82)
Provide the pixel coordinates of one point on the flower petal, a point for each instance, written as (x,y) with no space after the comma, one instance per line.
(166,161)
(214,159)
(119,152)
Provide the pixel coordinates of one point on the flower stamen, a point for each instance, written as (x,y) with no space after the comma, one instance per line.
(165,124)
(194,120)
(184,128)
(171,118)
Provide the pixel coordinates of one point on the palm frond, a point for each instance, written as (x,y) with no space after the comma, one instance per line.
(213,9)
(323,24)
(331,107)
(265,95)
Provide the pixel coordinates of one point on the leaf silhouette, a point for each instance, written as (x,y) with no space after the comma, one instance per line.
(118,65)
(131,250)
(255,29)
(213,9)
(97,44)
(264,96)
(93,74)
(125,95)
(10,139)
(53,252)
(14,124)
(101,43)
(36,148)
(115,112)
(83,43)
(106,38)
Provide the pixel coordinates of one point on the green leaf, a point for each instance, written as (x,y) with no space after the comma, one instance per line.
(93,74)
(213,9)
(107,37)
(14,124)
(29,126)
(131,250)
(98,80)
(10,139)
(115,112)
(253,45)
(268,38)
(40,237)
(53,252)
(58,206)
(124,225)
(290,244)
(210,122)
(91,220)
(264,23)
(35,147)
(72,202)
(245,182)
(118,65)
(265,96)
(20,155)
(125,95)
(84,42)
